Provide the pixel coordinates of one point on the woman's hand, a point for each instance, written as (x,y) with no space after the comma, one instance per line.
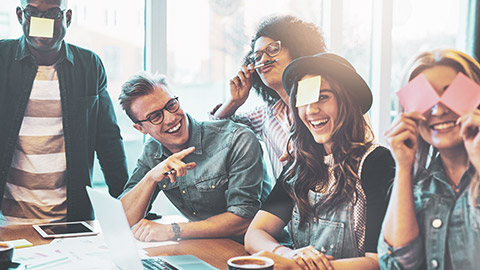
(469,126)
(240,85)
(402,137)
(310,258)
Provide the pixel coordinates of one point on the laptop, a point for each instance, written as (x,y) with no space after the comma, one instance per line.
(121,243)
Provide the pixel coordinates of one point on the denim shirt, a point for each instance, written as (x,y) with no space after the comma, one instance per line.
(229,176)
(443,219)
(331,232)
(89,121)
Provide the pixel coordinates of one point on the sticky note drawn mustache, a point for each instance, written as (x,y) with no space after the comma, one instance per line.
(462,96)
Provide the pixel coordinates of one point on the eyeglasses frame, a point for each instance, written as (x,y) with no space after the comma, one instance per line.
(160,110)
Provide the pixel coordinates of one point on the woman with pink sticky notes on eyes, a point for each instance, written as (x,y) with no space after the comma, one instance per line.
(433,218)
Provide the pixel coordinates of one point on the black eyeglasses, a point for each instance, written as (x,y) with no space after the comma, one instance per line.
(272,49)
(157,116)
(54,13)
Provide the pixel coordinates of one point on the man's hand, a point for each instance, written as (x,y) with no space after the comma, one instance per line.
(172,167)
(148,231)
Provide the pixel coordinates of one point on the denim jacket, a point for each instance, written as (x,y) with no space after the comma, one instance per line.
(89,122)
(229,176)
(444,219)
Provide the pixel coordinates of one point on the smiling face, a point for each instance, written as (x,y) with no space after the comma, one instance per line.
(173,132)
(440,130)
(320,117)
(42,44)
(271,74)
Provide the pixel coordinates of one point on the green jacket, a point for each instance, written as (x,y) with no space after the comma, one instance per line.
(89,121)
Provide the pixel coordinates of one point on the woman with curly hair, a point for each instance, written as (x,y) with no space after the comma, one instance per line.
(278,41)
(333,195)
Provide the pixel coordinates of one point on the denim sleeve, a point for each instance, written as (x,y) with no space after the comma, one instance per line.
(141,169)
(409,256)
(247,175)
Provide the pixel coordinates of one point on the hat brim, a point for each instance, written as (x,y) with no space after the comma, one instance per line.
(334,66)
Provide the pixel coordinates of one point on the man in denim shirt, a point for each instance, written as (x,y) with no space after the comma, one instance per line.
(213,172)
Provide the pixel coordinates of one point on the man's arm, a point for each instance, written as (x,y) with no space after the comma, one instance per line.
(221,225)
(136,201)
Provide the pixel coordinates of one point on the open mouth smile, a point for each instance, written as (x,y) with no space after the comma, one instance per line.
(175,128)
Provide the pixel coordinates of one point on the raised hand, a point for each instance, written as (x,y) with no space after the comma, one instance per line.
(469,126)
(240,85)
(402,137)
(173,166)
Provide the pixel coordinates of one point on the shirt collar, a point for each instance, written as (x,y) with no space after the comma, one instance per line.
(23,51)
(196,132)
(438,173)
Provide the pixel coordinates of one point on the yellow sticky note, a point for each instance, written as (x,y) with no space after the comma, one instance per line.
(20,243)
(308,90)
(41,27)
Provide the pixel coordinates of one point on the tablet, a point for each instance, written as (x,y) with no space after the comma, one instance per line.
(64,229)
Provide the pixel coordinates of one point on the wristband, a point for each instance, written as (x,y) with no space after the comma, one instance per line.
(276,248)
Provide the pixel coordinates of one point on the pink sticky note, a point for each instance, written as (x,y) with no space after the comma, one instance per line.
(418,95)
(462,96)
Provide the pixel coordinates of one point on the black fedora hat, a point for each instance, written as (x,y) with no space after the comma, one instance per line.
(334,66)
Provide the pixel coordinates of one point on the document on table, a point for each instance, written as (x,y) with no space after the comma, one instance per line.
(88,252)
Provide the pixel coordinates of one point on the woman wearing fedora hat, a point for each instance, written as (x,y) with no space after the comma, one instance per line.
(433,218)
(277,41)
(333,195)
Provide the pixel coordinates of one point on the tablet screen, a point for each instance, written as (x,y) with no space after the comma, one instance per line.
(64,228)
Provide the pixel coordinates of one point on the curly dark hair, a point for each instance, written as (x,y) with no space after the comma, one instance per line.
(350,142)
(300,38)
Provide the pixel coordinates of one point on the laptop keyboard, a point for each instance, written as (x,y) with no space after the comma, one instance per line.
(157,263)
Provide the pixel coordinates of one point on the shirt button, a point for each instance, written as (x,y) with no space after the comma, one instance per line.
(194,213)
(434,263)
(164,186)
(184,191)
(437,223)
(213,186)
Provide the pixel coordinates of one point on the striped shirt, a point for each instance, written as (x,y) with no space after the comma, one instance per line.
(36,190)
(271,123)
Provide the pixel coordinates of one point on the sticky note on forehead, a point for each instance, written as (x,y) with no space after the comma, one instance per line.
(308,90)
(41,27)
(418,95)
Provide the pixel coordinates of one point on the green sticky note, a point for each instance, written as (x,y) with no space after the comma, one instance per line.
(41,27)
(308,90)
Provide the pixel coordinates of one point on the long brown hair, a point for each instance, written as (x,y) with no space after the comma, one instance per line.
(460,62)
(309,170)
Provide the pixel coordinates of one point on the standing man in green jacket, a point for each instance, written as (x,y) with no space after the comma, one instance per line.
(55,113)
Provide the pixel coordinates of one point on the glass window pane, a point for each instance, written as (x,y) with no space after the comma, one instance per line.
(206,51)
(417,27)
(9,25)
(357,31)
(115,31)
